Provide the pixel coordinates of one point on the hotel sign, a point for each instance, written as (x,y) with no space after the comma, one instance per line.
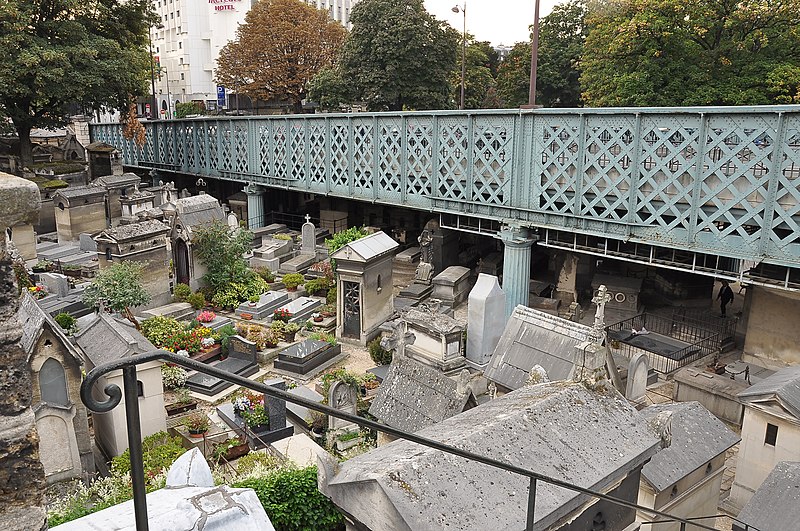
(224,5)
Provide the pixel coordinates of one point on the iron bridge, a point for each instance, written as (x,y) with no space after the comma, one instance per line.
(716,181)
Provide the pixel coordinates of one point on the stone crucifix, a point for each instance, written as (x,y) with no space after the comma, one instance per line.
(602,297)
(308,218)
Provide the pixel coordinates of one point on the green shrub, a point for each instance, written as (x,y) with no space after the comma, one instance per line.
(182,292)
(340,239)
(158,330)
(173,377)
(197,300)
(292,280)
(379,355)
(159,451)
(281,237)
(322,336)
(237,292)
(291,499)
(65,321)
(331,298)
(225,334)
(265,273)
(317,285)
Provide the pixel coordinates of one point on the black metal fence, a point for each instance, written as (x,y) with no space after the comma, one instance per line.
(128,367)
(693,340)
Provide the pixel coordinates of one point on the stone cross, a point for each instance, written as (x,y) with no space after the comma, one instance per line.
(602,297)
(425,240)
(400,337)
(308,218)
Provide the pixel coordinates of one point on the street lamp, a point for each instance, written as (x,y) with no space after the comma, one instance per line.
(534,58)
(463,11)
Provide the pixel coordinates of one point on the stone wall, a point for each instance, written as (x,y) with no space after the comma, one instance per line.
(772,333)
(73,220)
(21,472)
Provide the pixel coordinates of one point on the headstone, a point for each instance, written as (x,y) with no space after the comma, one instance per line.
(308,245)
(184,194)
(276,406)
(636,387)
(303,357)
(239,347)
(566,290)
(301,308)
(55,283)
(485,318)
(599,327)
(342,397)
(424,273)
(451,285)
(233,222)
(267,303)
(190,470)
(87,243)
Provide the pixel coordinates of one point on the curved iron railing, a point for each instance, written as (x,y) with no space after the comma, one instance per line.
(128,367)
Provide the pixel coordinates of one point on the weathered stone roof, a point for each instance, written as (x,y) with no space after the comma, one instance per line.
(782,387)
(33,319)
(114,181)
(100,147)
(558,429)
(79,191)
(198,210)
(414,396)
(133,231)
(775,506)
(367,248)
(697,438)
(533,338)
(106,339)
(435,321)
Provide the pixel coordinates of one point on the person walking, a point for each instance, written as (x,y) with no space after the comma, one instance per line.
(724,296)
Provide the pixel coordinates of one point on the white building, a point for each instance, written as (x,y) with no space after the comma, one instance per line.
(192,34)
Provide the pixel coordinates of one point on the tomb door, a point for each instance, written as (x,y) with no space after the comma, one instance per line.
(352,309)
(181,262)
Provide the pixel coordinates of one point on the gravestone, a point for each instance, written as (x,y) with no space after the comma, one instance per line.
(636,386)
(276,409)
(241,361)
(485,318)
(303,357)
(55,283)
(308,244)
(87,243)
(451,286)
(232,220)
(301,308)
(341,396)
(266,305)
(272,248)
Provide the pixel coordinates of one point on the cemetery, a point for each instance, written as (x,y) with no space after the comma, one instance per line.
(427,335)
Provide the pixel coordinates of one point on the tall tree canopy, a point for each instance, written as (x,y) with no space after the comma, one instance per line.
(399,56)
(280,47)
(478,78)
(561,39)
(705,52)
(92,53)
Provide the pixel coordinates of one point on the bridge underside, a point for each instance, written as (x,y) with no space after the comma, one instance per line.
(675,188)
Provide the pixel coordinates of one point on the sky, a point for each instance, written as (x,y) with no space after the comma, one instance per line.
(497,21)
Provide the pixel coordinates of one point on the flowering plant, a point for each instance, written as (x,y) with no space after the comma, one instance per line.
(184,353)
(38,291)
(241,403)
(207,342)
(282,314)
(256,417)
(206,316)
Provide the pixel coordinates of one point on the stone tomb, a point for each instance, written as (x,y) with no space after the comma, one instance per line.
(624,292)
(439,339)
(241,360)
(301,309)
(452,285)
(218,322)
(485,318)
(266,305)
(277,428)
(271,253)
(302,358)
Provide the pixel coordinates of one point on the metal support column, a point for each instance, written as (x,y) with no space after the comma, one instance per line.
(255,206)
(135,446)
(516,266)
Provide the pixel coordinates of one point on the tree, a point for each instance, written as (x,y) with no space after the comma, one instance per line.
(478,78)
(329,90)
(562,35)
(398,56)
(119,288)
(492,56)
(709,52)
(514,75)
(63,52)
(280,47)
(221,249)
(182,110)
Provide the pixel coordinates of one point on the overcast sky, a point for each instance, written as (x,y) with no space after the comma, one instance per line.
(496,21)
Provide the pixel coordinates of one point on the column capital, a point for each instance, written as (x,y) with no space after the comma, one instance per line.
(254,189)
(516,236)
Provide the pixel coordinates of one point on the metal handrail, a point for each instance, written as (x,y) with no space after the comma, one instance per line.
(128,367)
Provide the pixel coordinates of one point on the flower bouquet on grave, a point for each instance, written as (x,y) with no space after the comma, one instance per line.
(206,316)
(240,404)
(282,314)
(38,291)
(256,418)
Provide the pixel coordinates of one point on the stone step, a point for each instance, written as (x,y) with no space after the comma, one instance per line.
(182,311)
(57,252)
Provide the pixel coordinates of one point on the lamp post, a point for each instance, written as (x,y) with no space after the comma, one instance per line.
(154,110)
(463,11)
(534,58)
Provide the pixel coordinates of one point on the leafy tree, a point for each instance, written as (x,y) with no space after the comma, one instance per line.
(709,52)
(329,90)
(221,249)
(514,75)
(342,238)
(477,77)
(562,35)
(280,47)
(492,57)
(398,56)
(119,288)
(62,52)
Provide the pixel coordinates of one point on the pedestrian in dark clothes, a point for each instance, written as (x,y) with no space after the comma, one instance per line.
(724,296)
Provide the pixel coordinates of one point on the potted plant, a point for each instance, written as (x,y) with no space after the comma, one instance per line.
(197,424)
(231,449)
(270,341)
(289,332)
(252,300)
(317,421)
(183,402)
(256,418)
(317,317)
(292,280)
(281,314)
